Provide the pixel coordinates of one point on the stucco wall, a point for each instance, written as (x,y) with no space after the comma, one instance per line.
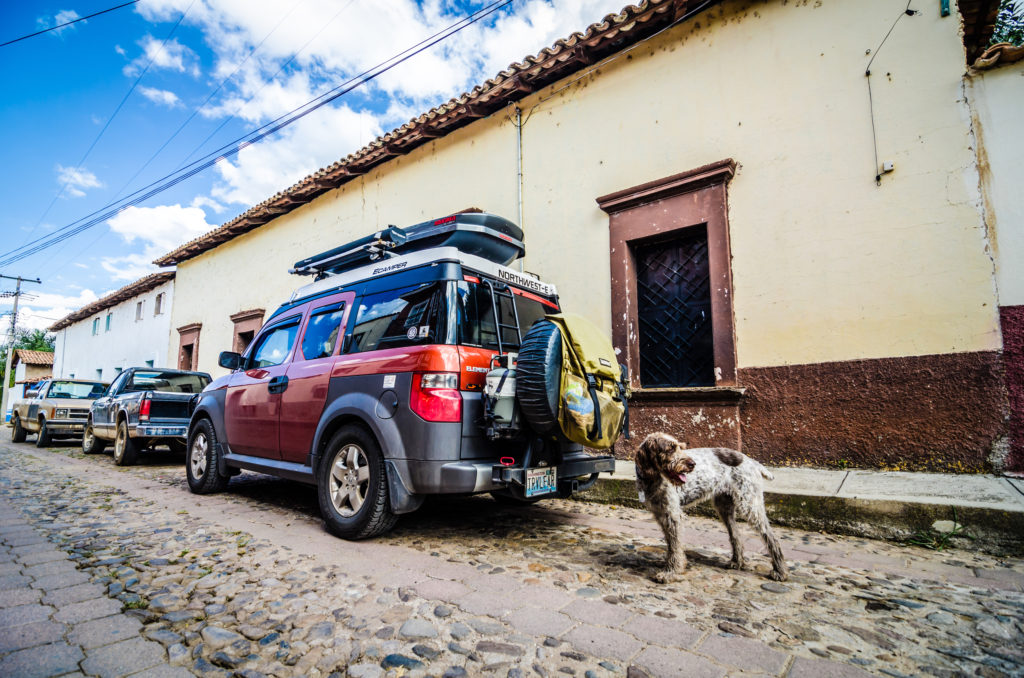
(129,343)
(827,266)
(997,98)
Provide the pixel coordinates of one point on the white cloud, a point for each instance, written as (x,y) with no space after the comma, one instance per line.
(62,17)
(160,96)
(263,169)
(44,309)
(171,55)
(76,179)
(337,41)
(210,203)
(159,230)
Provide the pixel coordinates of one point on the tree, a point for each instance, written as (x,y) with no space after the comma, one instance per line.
(1009,24)
(31,340)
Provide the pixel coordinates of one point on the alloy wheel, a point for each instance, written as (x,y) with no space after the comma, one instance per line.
(198,456)
(350,480)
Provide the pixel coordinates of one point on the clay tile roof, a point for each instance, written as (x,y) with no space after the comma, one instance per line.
(979,17)
(140,286)
(32,357)
(1001,53)
(567,56)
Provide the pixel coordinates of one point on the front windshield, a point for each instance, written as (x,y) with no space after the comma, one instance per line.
(77,390)
(173,382)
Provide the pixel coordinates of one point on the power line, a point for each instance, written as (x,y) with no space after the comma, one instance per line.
(235,147)
(113,115)
(67,23)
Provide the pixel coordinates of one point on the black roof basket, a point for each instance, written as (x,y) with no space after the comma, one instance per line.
(485,235)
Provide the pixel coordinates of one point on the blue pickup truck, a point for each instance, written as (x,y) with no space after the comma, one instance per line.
(144,406)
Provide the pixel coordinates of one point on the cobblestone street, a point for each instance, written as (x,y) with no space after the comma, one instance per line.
(109,571)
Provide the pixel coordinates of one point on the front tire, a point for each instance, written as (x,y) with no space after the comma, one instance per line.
(352,486)
(17,432)
(90,443)
(126,452)
(201,464)
(43,437)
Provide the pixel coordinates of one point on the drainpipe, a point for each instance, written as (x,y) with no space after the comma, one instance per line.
(519,175)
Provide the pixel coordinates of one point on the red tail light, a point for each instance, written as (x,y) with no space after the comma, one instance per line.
(144,409)
(435,396)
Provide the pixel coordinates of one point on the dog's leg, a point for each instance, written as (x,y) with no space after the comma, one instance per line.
(726,508)
(668,518)
(759,520)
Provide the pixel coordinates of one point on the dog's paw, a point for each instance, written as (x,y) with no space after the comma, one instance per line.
(667,576)
(736,565)
(778,576)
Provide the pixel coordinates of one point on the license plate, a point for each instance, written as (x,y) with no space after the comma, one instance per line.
(540,481)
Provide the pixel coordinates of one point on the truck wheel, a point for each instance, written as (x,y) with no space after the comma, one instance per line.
(201,468)
(90,443)
(17,432)
(125,449)
(353,487)
(43,437)
(539,376)
(177,446)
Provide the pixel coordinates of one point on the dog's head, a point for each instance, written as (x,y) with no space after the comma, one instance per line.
(661,454)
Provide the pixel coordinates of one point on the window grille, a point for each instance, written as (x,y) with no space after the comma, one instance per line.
(674,311)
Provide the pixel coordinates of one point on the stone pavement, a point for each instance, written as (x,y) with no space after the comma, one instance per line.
(55,621)
(876,504)
(248,583)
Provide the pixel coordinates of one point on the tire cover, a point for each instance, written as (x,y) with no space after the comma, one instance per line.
(539,376)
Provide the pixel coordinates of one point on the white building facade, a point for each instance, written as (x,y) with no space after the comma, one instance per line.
(127,328)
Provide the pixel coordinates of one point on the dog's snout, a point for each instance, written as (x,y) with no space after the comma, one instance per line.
(689,464)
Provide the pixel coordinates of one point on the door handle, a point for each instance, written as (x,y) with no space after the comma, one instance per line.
(277,384)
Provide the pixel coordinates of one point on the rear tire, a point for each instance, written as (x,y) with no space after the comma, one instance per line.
(539,376)
(202,463)
(352,486)
(126,452)
(90,443)
(17,432)
(177,446)
(43,437)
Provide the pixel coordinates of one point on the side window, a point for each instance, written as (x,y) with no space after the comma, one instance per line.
(409,316)
(273,347)
(118,383)
(322,332)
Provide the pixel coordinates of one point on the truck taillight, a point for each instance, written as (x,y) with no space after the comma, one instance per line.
(144,409)
(435,396)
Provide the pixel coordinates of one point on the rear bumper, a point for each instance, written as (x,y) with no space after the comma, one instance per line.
(469,477)
(160,431)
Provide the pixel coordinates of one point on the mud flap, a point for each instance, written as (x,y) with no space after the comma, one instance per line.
(401,499)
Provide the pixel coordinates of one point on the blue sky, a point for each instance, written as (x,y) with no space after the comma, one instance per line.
(258,59)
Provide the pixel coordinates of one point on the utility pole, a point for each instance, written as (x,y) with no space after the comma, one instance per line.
(10,344)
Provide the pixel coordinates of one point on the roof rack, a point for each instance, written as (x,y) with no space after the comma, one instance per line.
(477,233)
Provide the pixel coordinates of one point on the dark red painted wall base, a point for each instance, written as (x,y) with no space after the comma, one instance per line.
(1012,320)
(945,413)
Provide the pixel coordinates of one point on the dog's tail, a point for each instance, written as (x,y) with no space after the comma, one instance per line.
(765,473)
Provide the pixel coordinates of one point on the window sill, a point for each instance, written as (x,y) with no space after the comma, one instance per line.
(702,394)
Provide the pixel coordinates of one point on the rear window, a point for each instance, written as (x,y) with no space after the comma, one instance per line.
(173,382)
(408,316)
(476,317)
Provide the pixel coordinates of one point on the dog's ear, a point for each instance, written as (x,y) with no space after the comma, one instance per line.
(654,454)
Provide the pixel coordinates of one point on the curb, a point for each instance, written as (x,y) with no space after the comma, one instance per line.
(995,531)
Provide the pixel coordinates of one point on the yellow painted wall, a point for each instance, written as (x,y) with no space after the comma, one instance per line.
(827,266)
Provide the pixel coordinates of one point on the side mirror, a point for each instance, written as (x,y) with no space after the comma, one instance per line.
(229,360)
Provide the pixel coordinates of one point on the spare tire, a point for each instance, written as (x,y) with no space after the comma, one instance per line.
(539,376)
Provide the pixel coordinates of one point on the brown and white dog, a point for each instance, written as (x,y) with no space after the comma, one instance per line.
(671,478)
